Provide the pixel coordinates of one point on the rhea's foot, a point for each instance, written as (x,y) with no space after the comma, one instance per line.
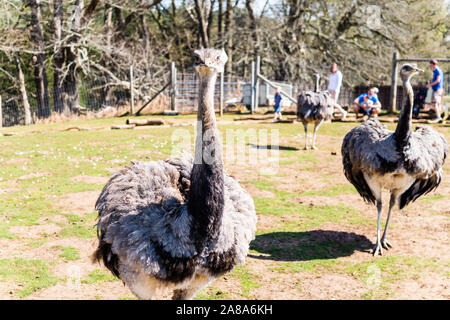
(314,147)
(385,244)
(305,148)
(377,249)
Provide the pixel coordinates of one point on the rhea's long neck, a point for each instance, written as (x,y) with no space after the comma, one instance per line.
(206,195)
(403,130)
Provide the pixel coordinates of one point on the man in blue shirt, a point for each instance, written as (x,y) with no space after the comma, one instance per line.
(367,104)
(438,87)
(277,105)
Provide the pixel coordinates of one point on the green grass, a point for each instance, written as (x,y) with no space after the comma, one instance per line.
(98,275)
(212,293)
(4,232)
(31,275)
(77,231)
(247,279)
(332,192)
(288,241)
(69,253)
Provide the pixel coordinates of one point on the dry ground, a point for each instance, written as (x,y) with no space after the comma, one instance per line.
(314,230)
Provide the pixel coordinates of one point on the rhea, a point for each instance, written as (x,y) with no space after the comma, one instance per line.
(180,223)
(314,107)
(405,162)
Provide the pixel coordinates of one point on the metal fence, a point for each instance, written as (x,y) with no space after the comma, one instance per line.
(94,96)
(188,87)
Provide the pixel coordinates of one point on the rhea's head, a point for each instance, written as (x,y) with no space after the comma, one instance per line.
(409,69)
(209,60)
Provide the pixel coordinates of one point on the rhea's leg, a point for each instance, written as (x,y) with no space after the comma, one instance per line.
(198,283)
(386,245)
(377,248)
(316,127)
(305,125)
(141,285)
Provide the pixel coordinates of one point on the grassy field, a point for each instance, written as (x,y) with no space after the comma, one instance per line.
(314,231)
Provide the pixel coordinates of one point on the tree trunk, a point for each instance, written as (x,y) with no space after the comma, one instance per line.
(229,36)
(70,83)
(23,92)
(253,27)
(220,24)
(58,58)
(202,23)
(38,60)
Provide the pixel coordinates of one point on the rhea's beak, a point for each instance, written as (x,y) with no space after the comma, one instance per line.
(419,70)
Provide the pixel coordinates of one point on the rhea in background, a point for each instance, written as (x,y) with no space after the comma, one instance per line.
(314,107)
(407,163)
(180,223)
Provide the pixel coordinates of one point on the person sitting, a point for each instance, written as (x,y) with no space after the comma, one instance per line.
(369,109)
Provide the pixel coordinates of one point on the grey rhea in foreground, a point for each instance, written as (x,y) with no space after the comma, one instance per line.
(314,107)
(180,223)
(407,163)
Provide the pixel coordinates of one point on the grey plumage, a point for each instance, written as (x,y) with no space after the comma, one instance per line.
(165,224)
(313,107)
(407,163)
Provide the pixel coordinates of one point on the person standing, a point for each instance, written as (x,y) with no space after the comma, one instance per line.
(277,105)
(438,88)
(334,87)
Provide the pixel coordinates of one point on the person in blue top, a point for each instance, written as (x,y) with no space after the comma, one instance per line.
(438,88)
(277,105)
(367,104)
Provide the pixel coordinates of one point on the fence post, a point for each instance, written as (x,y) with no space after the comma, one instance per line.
(252,87)
(173,84)
(1,115)
(221,94)
(131,91)
(258,71)
(393,105)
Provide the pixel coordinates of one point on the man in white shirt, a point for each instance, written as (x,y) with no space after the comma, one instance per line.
(334,87)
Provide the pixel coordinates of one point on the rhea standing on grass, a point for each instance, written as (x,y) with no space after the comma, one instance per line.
(180,223)
(407,163)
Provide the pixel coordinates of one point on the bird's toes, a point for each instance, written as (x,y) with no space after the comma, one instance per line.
(314,147)
(386,245)
(305,148)
(377,250)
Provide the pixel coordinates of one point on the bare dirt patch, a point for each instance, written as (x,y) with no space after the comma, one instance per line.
(90,179)
(35,175)
(332,286)
(17,161)
(428,287)
(37,231)
(256,192)
(73,290)
(78,203)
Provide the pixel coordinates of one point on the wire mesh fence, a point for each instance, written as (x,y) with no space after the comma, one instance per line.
(188,88)
(94,97)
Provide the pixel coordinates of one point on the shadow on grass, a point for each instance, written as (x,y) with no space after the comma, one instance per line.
(310,245)
(272,147)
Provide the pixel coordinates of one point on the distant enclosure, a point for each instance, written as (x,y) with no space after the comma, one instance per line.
(95,97)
